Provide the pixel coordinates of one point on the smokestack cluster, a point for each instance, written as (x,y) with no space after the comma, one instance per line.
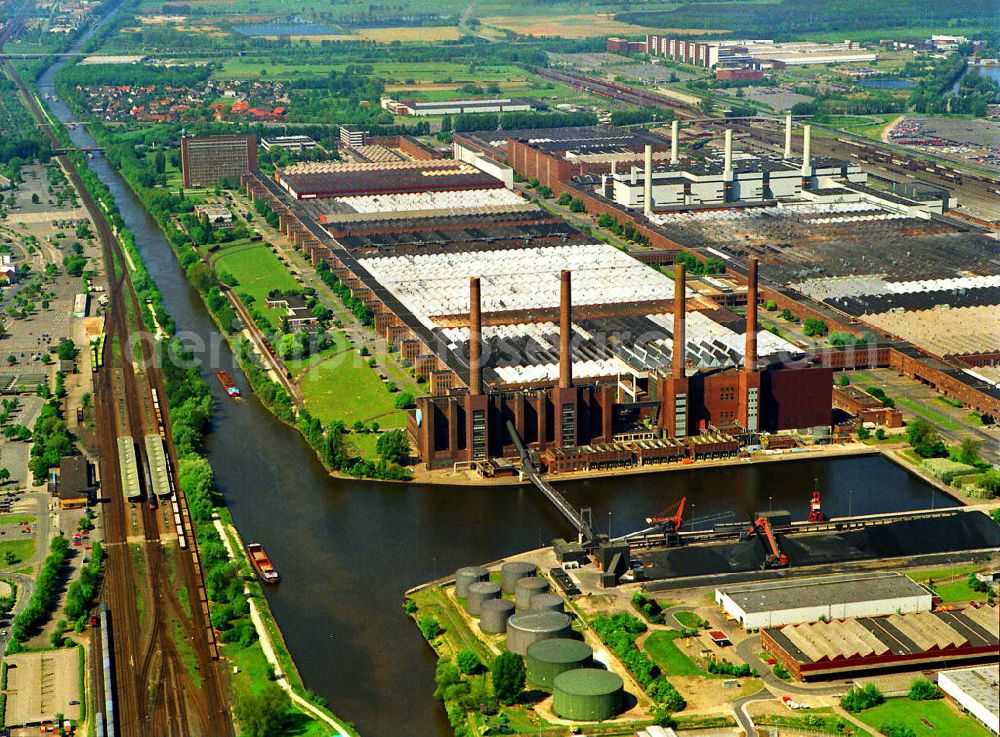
(475,339)
(675,131)
(565,331)
(727,166)
(680,303)
(647,188)
(806,151)
(788,137)
(751,345)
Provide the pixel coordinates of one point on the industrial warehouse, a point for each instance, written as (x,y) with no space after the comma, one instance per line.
(915,640)
(832,597)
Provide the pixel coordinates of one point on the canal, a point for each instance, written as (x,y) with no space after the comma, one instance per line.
(348,549)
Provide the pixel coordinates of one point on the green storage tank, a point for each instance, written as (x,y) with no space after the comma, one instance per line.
(548,659)
(587,695)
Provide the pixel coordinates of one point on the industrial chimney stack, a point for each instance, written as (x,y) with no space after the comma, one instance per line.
(647,188)
(750,361)
(565,331)
(806,151)
(727,166)
(680,340)
(475,339)
(675,132)
(788,137)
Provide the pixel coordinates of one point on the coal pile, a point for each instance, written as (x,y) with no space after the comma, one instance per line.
(960,531)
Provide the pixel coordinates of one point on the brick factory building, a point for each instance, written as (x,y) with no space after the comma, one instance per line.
(208,160)
(624,46)
(914,641)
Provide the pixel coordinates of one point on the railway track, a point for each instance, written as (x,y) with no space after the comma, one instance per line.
(159,691)
(615,91)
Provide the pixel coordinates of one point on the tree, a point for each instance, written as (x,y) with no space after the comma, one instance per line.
(576,205)
(813,326)
(925,440)
(4,475)
(564,199)
(968,452)
(863,432)
(264,712)
(923,690)
(509,676)
(859,699)
(66,350)
(404,400)
(845,380)
(468,662)
(393,447)
(786,314)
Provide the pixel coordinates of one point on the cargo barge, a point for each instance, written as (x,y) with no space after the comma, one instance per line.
(262,564)
(227,383)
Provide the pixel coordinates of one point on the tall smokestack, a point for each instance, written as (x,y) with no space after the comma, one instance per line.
(727,166)
(475,339)
(647,188)
(806,151)
(788,137)
(680,304)
(565,331)
(751,346)
(675,132)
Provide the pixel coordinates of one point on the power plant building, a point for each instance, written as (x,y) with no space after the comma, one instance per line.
(759,53)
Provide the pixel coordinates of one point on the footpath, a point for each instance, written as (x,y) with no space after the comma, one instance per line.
(268,647)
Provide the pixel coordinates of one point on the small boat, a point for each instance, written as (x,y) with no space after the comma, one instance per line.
(262,564)
(227,383)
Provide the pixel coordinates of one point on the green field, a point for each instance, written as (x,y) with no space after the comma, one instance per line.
(345,388)
(869,126)
(662,647)
(944,720)
(16,519)
(21,550)
(951,584)
(258,271)
(392,71)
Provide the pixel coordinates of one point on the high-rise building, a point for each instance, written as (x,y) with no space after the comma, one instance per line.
(208,160)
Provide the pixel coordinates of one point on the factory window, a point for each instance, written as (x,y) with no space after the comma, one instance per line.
(568,424)
(478,434)
(727,394)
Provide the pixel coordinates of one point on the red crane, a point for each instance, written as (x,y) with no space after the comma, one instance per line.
(671,518)
(774,557)
(816,509)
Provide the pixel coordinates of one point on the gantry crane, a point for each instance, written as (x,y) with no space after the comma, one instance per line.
(761,528)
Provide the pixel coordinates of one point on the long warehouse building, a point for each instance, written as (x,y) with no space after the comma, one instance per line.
(779,603)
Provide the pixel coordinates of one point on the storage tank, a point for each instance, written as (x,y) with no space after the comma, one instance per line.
(587,694)
(493,615)
(513,572)
(527,628)
(526,589)
(478,593)
(548,659)
(467,575)
(546,603)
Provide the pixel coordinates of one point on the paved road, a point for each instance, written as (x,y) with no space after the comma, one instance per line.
(743,717)
(748,650)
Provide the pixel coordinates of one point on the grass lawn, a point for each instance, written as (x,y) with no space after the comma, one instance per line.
(688,619)
(951,584)
(928,412)
(21,550)
(945,721)
(662,648)
(345,388)
(16,519)
(363,444)
(298,365)
(258,271)
(958,591)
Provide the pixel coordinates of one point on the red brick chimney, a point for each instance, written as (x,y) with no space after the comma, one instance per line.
(475,339)
(751,347)
(680,307)
(565,331)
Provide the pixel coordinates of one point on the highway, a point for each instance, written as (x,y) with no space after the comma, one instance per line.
(168,681)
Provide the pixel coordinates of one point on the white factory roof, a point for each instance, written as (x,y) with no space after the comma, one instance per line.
(516,278)
(414,201)
(875,284)
(432,285)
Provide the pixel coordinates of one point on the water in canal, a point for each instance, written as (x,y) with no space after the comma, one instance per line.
(348,549)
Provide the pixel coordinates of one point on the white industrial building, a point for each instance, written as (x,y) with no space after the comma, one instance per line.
(760,53)
(760,605)
(977,690)
(739,178)
(298,144)
(484,163)
(457,107)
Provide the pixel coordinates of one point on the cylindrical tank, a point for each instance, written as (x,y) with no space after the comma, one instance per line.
(511,573)
(478,593)
(493,615)
(548,659)
(587,694)
(467,575)
(528,588)
(546,603)
(524,630)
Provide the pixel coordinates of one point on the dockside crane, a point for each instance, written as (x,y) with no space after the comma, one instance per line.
(816,509)
(669,521)
(761,529)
